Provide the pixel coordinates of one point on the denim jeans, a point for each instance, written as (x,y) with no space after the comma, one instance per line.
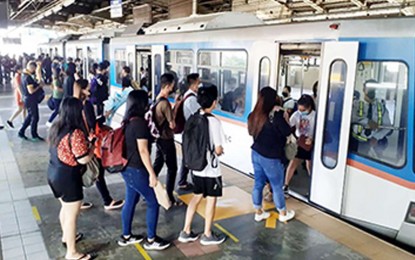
(32,117)
(136,184)
(57,103)
(273,171)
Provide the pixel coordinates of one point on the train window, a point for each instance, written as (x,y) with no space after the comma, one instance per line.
(227,70)
(93,57)
(379,119)
(120,62)
(180,64)
(300,73)
(334,110)
(264,72)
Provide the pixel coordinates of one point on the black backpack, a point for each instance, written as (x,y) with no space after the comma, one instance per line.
(196,142)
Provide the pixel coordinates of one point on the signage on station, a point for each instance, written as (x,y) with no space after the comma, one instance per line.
(116,8)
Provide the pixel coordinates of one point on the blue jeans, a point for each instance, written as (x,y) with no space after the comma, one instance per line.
(57,103)
(273,171)
(136,184)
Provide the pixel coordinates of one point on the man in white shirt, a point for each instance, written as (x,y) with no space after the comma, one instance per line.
(208,182)
(190,106)
(288,102)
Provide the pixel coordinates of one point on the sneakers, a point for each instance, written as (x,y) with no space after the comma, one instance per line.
(133,239)
(22,136)
(212,240)
(115,204)
(157,244)
(37,139)
(48,124)
(186,238)
(10,123)
(86,205)
(288,216)
(262,216)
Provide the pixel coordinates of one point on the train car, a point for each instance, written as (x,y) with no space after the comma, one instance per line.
(375,187)
(89,51)
(56,47)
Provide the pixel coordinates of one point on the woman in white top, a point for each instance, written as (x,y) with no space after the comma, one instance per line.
(303,120)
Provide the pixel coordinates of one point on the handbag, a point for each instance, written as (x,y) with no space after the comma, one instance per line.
(291,147)
(161,195)
(91,173)
(40,95)
(302,143)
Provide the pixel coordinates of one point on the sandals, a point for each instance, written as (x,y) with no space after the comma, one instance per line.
(78,238)
(83,257)
(115,204)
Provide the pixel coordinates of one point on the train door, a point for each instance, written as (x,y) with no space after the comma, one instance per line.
(299,72)
(265,55)
(143,68)
(337,77)
(158,67)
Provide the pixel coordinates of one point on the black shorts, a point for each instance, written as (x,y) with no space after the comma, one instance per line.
(303,154)
(209,187)
(66,185)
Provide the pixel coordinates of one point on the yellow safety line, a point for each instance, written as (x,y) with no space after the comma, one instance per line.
(142,252)
(36,214)
(227,233)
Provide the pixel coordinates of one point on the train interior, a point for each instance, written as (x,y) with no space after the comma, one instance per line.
(300,69)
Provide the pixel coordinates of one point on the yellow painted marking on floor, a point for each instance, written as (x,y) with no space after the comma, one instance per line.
(271,222)
(226,232)
(142,252)
(36,214)
(233,203)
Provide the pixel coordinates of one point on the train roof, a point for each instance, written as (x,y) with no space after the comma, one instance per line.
(319,30)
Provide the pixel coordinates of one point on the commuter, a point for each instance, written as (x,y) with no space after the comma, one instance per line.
(32,92)
(17,85)
(190,106)
(1,70)
(371,123)
(99,88)
(208,182)
(81,92)
(166,148)
(304,122)
(69,151)
(139,175)
(125,77)
(266,124)
(288,103)
(69,80)
(57,96)
(39,73)
(79,68)
(92,72)
(47,69)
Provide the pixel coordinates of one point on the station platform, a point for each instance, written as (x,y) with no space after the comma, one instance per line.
(29,224)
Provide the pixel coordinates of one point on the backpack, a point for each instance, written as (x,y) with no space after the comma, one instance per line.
(178,113)
(295,104)
(196,142)
(112,150)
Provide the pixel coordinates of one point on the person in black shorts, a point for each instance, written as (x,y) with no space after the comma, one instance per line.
(208,182)
(69,151)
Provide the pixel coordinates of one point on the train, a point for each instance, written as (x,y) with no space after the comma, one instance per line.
(237,52)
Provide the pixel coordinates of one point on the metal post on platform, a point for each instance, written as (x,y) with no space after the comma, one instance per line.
(194,7)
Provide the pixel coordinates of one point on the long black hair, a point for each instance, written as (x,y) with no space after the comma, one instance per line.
(70,119)
(307,101)
(137,104)
(267,100)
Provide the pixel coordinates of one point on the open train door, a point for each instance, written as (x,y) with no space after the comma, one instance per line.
(265,55)
(157,67)
(337,77)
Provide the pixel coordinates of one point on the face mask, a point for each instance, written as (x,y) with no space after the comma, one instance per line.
(371,94)
(285,94)
(305,113)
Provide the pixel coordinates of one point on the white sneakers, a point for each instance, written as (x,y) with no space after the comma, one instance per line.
(288,216)
(48,124)
(262,216)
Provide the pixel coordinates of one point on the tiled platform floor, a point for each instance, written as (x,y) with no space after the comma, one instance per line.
(29,226)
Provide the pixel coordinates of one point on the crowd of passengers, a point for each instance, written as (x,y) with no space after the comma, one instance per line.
(74,139)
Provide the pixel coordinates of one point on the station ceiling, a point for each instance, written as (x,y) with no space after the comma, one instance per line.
(76,16)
